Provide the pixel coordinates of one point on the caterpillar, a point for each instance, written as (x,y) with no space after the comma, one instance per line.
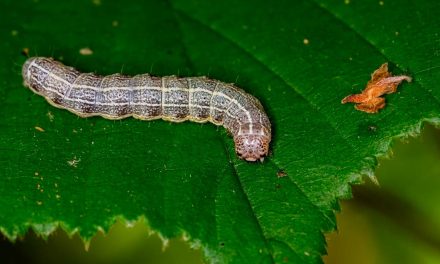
(147,97)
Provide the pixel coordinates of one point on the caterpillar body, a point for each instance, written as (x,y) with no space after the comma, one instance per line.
(146,97)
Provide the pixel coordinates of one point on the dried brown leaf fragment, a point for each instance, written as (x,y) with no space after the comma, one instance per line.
(382,82)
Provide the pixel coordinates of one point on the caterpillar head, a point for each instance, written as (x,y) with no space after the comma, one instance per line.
(252,147)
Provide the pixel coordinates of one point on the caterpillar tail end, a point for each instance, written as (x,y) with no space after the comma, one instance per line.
(25,71)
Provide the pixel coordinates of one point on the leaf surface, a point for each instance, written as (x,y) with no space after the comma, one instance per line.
(298,59)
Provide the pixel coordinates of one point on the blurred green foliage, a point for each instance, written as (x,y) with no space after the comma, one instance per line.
(398,221)
(120,246)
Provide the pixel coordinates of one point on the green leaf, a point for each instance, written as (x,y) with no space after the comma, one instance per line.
(300,59)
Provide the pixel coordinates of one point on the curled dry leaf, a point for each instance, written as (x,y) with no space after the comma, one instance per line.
(381,83)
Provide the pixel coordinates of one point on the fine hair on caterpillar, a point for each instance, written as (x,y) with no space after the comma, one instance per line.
(146,97)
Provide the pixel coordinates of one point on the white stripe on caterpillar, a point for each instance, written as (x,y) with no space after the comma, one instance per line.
(148,97)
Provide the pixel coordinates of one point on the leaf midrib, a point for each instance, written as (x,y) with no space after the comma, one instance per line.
(298,92)
(278,76)
(222,139)
(272,161)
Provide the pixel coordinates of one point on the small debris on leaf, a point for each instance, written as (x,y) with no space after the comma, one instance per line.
(74,162)
(50,116)
(86,51)
(372,128)
(25,52)
(281,174)
(382,82)
(39,129)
